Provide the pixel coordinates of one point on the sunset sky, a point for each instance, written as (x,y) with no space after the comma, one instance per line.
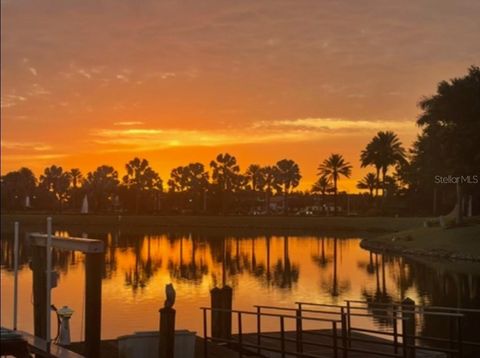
(89,82)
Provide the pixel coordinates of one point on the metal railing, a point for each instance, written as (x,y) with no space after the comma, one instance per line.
(342,335)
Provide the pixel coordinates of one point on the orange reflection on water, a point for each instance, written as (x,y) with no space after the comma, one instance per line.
(263,270)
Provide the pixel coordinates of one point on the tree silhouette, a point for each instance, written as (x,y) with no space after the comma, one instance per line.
(254,176)
(191,178)
(333,168)
(322,186)
(288,175)
(56,183)
(451,132)
(75,177)
(16,187)
(141,178)
(369,182)
(270,181)
(383,151)
(101,185)
(225,175)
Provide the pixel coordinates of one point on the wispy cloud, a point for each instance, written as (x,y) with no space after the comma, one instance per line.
(128,123)
(11,100)
(280,131)
(155,139)
(32,157)
(35,146)
(337,125)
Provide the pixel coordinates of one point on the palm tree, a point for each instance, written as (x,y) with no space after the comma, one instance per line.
(141,178)
(225,174)
(270,181)
(101,185)
(323,186)
(289,177)
(383,151)
(333,168)
(371,156)
(56,181)
(369,182)
(75,176)
(253,175)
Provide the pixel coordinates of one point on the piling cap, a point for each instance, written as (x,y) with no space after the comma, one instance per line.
(65,312)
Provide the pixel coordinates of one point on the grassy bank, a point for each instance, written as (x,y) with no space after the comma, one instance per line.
(346,224)
(453,243)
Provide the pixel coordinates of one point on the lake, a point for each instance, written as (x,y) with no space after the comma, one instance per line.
(262,269)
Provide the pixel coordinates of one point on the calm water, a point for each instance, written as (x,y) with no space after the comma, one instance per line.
(269,270)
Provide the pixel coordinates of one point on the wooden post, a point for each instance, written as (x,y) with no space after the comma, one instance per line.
(408,315)
(166,346)
(39,267)
(299,330)
(221,303)
(93,303)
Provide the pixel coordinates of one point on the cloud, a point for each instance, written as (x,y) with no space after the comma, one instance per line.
(337,125)
(280,131)
(11,100)
(35,146)
(33,157)
(155,138)
(128,123)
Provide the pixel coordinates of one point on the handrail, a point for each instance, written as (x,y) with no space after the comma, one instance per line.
(440,308)
(268,314)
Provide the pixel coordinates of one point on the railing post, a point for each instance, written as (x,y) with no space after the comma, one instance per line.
(299,329)
(167,333)
(94,263)
(404,340)
(205,334)
(349,324)
(240,338)
(344,332)
(259,330)
(408,314)
(335,343)
(221,303)
(282,336)
(395,330)
(459,337)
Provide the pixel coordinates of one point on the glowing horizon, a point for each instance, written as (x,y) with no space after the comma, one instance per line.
(177,83)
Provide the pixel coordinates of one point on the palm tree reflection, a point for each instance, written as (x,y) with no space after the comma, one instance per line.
(335,286)
(285,274)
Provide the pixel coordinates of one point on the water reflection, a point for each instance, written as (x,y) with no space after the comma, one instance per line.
(262,269)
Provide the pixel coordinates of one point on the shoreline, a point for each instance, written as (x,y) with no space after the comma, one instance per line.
(304,223)
(403,236)
(455,244)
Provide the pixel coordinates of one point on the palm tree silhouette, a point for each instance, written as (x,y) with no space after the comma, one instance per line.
(323,186)
(270,181)
(383,151)
(57,182)
(141,177)
(75,176)
(254,176)
(101,184)
(369,182)
(289,177)
(333,168)
(225,174)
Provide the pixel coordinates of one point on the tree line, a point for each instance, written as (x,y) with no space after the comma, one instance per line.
(401,179)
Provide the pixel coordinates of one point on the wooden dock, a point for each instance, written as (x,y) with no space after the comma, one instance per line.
(363,345)
(109,349)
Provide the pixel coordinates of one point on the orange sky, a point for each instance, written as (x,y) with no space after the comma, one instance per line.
(86,83)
